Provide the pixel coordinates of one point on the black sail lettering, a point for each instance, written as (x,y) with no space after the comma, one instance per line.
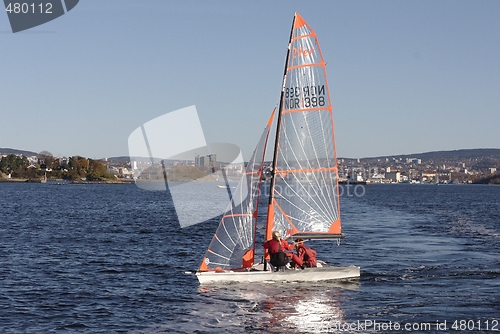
(306,91)
(321,90)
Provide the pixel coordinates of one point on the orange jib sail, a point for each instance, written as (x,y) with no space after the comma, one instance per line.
(233,244)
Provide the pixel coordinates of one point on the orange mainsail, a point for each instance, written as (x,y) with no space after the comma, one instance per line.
(304,199)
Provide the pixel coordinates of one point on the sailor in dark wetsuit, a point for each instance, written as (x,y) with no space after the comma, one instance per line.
(277,247)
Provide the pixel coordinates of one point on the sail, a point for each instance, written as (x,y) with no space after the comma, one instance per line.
(233,245)
(305,198)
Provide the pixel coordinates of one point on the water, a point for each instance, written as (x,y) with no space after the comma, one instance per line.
(111,259)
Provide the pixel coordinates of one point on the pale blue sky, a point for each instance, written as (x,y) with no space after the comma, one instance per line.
(405,76)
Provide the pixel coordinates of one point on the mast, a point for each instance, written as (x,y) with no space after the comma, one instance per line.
(270,211)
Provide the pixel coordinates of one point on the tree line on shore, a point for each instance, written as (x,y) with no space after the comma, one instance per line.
(75,167)
(491,179)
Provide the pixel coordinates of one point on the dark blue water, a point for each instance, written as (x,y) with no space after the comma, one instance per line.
(111,258)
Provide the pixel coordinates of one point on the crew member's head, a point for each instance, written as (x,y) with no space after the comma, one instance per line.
(299,242)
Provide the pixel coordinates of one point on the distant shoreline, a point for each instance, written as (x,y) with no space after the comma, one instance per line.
(59,181)
(127,181)
(13,180)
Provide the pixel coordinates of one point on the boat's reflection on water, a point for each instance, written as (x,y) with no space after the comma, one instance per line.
(291,307)
(270,307)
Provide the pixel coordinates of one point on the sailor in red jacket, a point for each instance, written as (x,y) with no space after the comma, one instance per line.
(305,254)
(277,247)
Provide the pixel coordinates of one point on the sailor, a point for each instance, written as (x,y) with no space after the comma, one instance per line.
(306,255)
(277,247)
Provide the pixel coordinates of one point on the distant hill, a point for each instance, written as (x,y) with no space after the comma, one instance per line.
(122,159)
(14,151)
(126,158)
(464,154)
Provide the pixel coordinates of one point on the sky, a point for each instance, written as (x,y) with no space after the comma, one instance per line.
(405,76)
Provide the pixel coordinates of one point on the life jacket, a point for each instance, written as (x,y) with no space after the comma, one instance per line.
(309,256)
(279,258)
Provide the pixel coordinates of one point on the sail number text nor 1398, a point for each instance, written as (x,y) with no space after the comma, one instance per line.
(304,97)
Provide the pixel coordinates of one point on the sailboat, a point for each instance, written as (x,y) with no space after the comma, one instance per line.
(303,193)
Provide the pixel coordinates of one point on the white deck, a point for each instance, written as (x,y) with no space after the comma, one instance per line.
(298,275)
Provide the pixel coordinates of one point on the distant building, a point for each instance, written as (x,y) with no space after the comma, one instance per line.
(205,161)
(414,161)
(393,176)
(198,161)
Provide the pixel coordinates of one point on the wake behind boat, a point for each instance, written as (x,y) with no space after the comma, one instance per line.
(304,198)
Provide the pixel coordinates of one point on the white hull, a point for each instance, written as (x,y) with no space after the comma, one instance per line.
(306,275)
